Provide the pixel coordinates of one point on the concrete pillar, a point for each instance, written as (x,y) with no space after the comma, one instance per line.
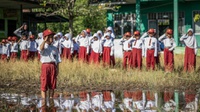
(137,11)
(176,98)
(176,22)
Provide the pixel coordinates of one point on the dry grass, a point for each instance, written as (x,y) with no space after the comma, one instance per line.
(75,76)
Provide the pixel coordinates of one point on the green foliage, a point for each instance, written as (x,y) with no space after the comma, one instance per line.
(197,18)
(82,14)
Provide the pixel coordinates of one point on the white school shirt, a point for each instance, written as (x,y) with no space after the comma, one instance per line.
(109,104)
(57,44)
(96,101)
(96,46)
(32,46)
(189,41)
(39,42)
(83,42)
(150,104)
(14,47)
(109,43)
(23,45)
(127,104)
(68,44)
(68,103)
(84,105)
(5,50)
(153,45)
(125,44)
(50,54)
(168,42)
(141,103)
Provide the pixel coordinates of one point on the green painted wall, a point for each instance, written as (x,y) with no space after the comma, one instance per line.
(160,6)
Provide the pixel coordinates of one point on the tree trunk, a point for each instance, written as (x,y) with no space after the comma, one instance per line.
(71,21)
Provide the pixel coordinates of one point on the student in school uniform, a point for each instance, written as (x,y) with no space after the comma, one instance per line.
(150,46)
(151,101)
(191,100)
(61,39)
(108,101)
(112,35)
(169,46)
(96,101)
(68,47)
(50,60)
(75,50)
(127,54)
(100,34)
(23,42)
(5,51)
(68,102)
(14,48)
(137,45)
(190,42)
(57,43)
(96,49)
(111,31)
(32,47)
(39,40)
(138,100)
(126,106)
(83,42)
(169,104)
(108,49)
(84,104)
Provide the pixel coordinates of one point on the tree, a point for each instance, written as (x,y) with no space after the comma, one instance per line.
(80,14)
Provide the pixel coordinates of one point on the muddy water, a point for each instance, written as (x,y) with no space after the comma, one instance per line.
(96,101)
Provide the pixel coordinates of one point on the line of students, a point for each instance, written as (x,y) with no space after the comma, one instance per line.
(136,47)
(100,47)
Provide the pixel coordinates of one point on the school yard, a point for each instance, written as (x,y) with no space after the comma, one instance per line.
(24,77)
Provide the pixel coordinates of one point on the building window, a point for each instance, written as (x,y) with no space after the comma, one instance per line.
(124,22)
(2,25)
(196,24)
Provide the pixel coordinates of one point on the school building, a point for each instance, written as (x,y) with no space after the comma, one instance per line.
(14,12)
(158,14)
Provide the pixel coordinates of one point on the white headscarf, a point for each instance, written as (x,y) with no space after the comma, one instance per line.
(100,32)
(96,35)
(112,32)
(68,35)
(85,32)
(190,30)
(59,33)
(40,35)
(107,34)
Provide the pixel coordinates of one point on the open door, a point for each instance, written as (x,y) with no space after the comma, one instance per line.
(11,27)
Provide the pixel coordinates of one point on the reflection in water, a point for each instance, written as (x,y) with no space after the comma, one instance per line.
(106,101)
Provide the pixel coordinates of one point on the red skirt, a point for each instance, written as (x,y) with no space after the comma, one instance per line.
(137,58)
(67,53)
(94,57)
(82,54)
(189,59)
(106,56)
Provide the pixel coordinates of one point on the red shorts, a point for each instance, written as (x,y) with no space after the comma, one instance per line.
(48,76)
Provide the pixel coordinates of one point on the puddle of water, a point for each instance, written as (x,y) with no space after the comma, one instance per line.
(127,101)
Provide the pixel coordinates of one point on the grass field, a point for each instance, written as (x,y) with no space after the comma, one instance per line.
(74,76)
